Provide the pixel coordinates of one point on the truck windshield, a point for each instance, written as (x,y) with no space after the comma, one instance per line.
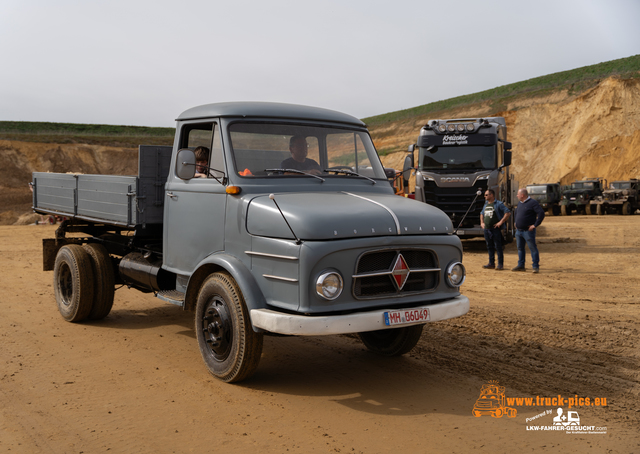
(537,189)
(620,185)
(268,149)
(470,157)
(582,185)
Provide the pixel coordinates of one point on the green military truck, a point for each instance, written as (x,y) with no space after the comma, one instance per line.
(620,198)
(578,197)
(548,196)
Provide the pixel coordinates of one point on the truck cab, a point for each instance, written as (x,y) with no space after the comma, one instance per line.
(285,225)
(548,196)
(458,160)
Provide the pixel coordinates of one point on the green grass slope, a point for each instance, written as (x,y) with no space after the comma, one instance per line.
(575,80)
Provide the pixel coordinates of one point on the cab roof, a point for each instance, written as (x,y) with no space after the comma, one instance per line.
(267,110)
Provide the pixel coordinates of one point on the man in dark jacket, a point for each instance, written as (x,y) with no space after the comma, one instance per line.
(529,216)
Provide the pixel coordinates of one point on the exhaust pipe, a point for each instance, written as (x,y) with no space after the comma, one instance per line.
(145,273)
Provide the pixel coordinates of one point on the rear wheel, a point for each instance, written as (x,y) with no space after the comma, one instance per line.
(104,281)
(392,342)
(566,211)
(230,348)
(73,283)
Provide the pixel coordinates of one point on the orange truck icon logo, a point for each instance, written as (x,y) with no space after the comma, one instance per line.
(492,401)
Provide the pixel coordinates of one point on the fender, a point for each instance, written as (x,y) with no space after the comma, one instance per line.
(221,261)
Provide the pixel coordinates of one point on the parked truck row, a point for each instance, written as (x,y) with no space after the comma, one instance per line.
(588,196)
(290,228)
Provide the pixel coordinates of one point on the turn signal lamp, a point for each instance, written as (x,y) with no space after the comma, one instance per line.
(233,190)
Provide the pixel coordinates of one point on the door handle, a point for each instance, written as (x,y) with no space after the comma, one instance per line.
(172,195)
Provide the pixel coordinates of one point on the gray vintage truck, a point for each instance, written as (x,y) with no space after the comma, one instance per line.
(257,242)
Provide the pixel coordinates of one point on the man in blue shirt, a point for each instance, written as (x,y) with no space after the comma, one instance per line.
(529,216)
(493,216)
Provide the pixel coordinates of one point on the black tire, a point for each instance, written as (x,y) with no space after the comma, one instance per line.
(230,348)
(392,342)
(565,210)
(600,210)
(103,280)
(555,210)
(626,208)
(587,209)
(73,283)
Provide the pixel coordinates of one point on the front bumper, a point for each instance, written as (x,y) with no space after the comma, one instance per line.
(303,325)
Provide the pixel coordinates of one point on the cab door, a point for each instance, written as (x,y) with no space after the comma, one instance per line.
(194,210)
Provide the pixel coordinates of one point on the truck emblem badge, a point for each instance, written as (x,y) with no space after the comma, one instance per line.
(400,272)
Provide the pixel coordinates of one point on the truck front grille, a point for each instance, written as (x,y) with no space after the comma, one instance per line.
(374,277)
(456,201)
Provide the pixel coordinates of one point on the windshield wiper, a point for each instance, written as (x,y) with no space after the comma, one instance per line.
(295,171)
(350,172)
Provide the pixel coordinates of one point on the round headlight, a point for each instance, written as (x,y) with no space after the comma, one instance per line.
(329,285)
(455,274)
(451,128)
(442,128)
(460,127)
(470,127)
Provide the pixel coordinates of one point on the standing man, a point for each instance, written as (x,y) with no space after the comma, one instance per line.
(529,216)
(492,217)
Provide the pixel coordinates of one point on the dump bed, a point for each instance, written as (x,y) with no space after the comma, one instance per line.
(127,201)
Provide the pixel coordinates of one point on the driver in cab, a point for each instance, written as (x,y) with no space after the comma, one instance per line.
(298,160)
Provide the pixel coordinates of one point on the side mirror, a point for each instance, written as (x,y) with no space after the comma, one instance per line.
(507,145)
(412,148)
(186,164)
(407,168)
(507,158)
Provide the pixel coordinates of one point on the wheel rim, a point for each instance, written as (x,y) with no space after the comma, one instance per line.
(65,284)
(217,329)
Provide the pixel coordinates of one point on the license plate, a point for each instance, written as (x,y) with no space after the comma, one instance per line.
(460,232)
(406,316)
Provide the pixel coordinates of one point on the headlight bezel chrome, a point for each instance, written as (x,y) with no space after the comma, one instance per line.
(449,274)
(322,287)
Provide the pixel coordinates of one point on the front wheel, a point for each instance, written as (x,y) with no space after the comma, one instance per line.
(565,210)
(626,208)
(392,342)
(230,348)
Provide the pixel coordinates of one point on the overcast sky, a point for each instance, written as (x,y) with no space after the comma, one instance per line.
(142,62)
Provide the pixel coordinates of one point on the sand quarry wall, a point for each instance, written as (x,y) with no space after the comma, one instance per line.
(559,137)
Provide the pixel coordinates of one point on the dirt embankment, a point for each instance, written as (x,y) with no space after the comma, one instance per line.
(560,137)
(19,159)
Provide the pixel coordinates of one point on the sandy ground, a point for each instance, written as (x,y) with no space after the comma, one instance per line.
(135,382)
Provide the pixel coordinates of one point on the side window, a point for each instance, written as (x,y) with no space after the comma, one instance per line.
(217,158)
(204,140)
